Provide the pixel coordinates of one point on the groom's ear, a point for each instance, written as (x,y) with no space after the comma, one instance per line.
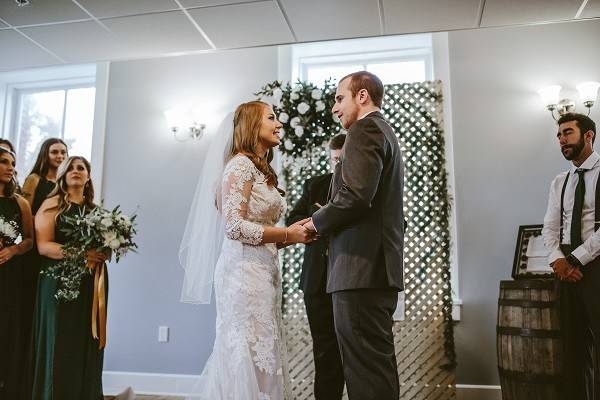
(363,97)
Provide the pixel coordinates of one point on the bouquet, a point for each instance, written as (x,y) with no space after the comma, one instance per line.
(110,232)
(9,232)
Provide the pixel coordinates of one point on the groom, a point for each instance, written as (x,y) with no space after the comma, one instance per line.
(364,222)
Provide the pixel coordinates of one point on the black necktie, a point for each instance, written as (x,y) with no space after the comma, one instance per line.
(577,210)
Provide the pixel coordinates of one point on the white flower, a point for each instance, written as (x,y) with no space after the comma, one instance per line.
(335,118)
(283,118)
(294,96)
(320,131)
(320,106)
(281,133)
(277,94)
(303,108)
(297,88)
(288,144)
(317,94)
(109,237)
(294,122)
(299,130)
(122,240)
(107,222)
(114,244)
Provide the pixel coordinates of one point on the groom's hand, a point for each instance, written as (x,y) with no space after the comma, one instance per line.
(310,226)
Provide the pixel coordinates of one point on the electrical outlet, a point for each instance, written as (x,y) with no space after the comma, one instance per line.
(163,334)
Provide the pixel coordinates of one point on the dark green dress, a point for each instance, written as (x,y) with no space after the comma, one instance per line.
(42,190)
(68,363)
(11,335)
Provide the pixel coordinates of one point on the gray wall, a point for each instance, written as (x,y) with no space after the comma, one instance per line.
(505,155)
(146,167)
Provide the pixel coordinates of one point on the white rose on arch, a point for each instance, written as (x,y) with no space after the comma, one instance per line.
(283,118)
(294,96)
(299,130)
(294,122)
(277,94)
(317,94)
(281,133)
(303,108)
(288,144)
(320,106)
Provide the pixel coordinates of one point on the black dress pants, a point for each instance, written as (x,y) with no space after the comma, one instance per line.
(363,324)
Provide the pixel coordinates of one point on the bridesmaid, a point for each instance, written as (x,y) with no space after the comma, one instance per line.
(9,146)
(42,178)
(12,208)
(68,361)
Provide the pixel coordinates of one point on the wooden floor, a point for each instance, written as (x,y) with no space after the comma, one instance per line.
(145,397)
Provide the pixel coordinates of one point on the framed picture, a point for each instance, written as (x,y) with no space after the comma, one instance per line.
(531,256)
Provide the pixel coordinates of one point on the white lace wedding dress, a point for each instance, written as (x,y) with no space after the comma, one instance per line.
(248,361)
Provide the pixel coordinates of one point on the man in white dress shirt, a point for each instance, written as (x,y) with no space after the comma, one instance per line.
(570,225)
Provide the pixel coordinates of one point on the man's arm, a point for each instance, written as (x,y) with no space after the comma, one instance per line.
(302,209)
(361,170)
(551,230)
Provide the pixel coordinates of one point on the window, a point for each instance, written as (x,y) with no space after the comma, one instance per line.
(393,59)
(66,113)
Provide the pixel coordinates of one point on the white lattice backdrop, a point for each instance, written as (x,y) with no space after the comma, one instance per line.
(415,112)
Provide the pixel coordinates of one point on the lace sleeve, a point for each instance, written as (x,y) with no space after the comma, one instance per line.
(238,178)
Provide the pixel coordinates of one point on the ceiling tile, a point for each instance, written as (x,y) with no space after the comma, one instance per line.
(119,8)
(94,42)
(333,19)
(591,10)
(240,25)
(403,16)
(19,52)
(140,36)
(209,3)
(41,12)
(512,12)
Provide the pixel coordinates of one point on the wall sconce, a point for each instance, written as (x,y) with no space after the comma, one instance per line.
(184,124)
(588,91)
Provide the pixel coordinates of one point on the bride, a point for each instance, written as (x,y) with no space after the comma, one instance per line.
(248,360)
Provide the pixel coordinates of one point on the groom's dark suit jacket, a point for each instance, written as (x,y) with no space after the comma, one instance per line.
(364,219)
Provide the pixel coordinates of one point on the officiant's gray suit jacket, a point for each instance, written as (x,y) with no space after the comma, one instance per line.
(363,218)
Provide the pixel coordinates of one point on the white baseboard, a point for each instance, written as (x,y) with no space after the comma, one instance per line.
(115,382)
(478,392)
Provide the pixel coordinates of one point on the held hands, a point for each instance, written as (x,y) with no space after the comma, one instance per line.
(566,272)
(299,233)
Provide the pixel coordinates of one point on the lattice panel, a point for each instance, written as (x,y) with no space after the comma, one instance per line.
(415,112)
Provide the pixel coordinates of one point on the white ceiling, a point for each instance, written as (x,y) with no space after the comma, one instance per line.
(51,32)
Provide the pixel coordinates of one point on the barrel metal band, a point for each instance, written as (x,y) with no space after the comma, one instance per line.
(525,332)
(529,377)
(528,284)
(526,303)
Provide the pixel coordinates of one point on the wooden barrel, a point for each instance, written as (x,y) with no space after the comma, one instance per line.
(529,341)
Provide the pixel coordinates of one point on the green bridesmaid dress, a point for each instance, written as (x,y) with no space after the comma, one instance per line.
(68,362)
(11,313)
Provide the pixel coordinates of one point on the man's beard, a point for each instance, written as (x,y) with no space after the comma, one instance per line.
(575,149)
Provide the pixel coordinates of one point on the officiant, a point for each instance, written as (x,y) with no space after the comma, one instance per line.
(570,233)
(329,376)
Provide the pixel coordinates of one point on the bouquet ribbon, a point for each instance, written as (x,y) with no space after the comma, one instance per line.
(99,303)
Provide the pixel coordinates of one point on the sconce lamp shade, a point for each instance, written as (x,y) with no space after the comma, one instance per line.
(550,95)
(588,92)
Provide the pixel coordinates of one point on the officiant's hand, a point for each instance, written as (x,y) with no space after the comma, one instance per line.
(565,271)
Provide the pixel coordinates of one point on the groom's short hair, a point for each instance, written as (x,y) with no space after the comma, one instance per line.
(366,80)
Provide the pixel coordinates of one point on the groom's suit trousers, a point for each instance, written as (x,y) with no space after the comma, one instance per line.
(363,324)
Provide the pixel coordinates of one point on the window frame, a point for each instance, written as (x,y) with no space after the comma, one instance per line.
(14,84)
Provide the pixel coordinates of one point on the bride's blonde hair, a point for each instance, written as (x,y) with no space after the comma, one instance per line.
(247,122)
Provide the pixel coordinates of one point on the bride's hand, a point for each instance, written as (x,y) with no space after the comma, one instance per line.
(297,233)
